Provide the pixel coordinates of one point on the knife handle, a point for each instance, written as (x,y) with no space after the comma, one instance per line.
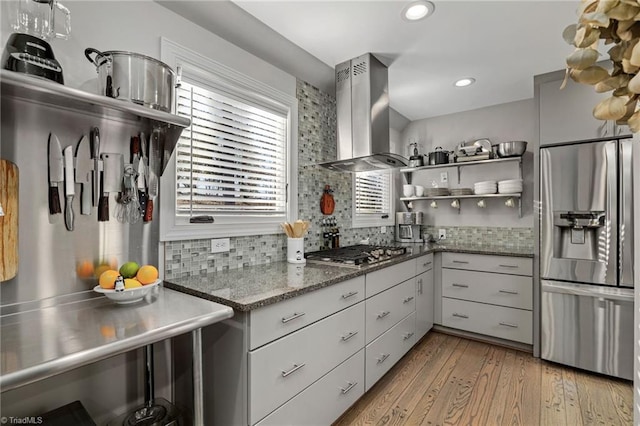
(54,200)
(68,212)
(148,212)
(142,198)
(103,203)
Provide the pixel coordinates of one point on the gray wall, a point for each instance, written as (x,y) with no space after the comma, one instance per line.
(499,123)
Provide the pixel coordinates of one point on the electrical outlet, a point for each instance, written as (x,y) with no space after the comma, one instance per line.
(444,177)
(383,229)
(442,234)
(220,245)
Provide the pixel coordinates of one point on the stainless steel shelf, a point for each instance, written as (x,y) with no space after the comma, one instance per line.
(462,164)
(35,89)
(517,196)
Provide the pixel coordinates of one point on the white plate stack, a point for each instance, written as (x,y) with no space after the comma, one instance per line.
(512,186)
(486,187)
(436,192)
(461,191)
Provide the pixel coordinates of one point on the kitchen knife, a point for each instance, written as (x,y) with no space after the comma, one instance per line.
(113,166)
(95,154)
(69,187)
(56,173)
(154,144)
(143,173)
(84,167)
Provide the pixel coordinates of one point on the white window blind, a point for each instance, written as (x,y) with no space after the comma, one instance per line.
(232,159)
(372,194)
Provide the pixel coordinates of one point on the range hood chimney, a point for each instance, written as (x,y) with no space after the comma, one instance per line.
(362,102)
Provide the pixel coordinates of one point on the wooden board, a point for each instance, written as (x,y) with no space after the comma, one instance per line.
(9,220)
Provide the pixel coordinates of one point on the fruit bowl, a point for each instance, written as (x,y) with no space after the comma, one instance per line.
(130,295)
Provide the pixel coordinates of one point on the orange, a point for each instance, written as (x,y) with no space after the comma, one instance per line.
(131,283)
(108,279)
(147,274)
(84,269)
(101,268)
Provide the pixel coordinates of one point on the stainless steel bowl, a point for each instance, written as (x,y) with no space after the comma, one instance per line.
(512,149)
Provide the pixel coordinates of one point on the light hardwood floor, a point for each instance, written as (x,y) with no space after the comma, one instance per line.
(447,380)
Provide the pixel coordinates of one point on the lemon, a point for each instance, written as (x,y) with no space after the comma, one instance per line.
(129,269)
(108,279)
(147,274)
(131,283)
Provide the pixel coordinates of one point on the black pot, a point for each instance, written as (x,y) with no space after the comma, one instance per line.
(439,156)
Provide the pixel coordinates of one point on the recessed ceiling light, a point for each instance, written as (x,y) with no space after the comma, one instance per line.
(417,10)
(464,82)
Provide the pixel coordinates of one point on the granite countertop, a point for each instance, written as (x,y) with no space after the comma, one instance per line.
(250,288)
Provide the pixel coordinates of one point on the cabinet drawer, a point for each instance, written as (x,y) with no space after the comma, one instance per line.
(325,400)
(383,279)
(497,321)
(386,350)
(280,370)
(514,291)
(424,264)
(488,263)
(387,308)
(271,322)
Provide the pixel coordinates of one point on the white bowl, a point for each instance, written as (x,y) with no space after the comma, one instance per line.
(130,295)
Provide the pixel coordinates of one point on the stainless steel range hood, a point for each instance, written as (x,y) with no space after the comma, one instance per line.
(362,102)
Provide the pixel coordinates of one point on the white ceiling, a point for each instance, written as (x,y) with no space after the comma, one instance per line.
(502,44)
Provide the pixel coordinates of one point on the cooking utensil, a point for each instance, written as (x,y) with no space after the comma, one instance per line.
(512,148)
(94,140)
(113,165)
(143,173)
(56,173)
(84,167)
(137,78)
(416,160)
(438,156)
(69,187)
(8,220)
(153,170)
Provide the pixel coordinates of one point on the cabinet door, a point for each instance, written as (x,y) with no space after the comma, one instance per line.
(567,115)
(424,303)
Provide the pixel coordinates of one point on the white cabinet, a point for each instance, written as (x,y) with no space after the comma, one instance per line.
(489,295)
(567,115)
(385,309)
(424,296)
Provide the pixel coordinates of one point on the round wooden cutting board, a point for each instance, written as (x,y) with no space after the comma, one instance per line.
(8,220)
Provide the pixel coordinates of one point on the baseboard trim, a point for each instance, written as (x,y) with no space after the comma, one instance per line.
(483,338)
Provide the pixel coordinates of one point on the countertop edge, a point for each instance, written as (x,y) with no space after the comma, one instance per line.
(247,307)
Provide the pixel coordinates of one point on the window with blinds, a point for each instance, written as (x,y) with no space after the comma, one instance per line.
(232,160)
(372,198)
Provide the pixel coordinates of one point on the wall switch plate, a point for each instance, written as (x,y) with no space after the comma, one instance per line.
(442,234)
(444,177)
(220,245)
(383,229)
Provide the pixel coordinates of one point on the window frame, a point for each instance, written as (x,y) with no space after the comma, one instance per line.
(367,221)
(209,74)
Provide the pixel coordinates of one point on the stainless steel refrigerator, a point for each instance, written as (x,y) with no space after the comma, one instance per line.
(586,256)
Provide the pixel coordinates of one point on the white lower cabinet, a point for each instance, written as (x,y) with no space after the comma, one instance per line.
(281,369)
(324,401)
(387,308)
(498,321)
(386,350)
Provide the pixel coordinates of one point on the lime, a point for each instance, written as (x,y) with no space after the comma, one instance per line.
(129,269)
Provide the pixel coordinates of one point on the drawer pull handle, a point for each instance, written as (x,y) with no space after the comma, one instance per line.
(508,292)
(420,286)
(351,386)
(292,317)
(408,336)
(349,336)
(408,299)
(509,266)
(464,262)
(295,368)
(460,315)
(506,324)
(383,314)
(383,359)
(350,294)
(424,265)
(460,285)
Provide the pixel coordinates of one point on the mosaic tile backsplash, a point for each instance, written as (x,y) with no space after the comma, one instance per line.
(517,238)
(316,143)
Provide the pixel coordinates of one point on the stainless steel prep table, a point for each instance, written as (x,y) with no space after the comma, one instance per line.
(41,341)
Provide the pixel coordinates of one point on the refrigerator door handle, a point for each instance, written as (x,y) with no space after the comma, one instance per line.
(610,293)
(626,225)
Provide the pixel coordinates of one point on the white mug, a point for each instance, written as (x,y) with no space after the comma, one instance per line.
(419,191)
(408,190)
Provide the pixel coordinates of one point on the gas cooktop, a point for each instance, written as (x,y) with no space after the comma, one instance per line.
(355,256)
